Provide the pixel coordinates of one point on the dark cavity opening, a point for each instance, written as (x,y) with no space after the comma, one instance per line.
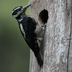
(43,16)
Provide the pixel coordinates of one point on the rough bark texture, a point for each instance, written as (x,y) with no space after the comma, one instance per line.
(57,41)
(70,51)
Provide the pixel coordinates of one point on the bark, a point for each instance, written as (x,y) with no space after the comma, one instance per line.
(70,50)
(57,53)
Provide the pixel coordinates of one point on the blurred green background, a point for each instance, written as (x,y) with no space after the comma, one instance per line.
(14,52)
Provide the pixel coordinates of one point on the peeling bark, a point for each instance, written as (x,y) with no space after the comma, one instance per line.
(57,55)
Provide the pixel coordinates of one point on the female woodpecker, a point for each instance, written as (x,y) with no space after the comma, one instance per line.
(30,29)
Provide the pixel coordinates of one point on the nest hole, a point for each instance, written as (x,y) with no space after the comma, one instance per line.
(43,16)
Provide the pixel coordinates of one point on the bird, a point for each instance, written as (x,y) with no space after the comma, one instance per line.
(30,30)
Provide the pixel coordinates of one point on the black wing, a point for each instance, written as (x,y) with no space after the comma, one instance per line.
(29,26)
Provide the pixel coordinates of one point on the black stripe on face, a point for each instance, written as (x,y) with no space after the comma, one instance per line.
(16,10)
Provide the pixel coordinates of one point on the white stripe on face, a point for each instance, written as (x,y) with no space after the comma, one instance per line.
(15,16)
(15,9)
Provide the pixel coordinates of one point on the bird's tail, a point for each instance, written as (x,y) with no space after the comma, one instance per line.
(39,60)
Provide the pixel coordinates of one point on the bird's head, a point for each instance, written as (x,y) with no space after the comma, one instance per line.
(19,12)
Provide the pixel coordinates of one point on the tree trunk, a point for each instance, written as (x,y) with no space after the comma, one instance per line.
(57,53)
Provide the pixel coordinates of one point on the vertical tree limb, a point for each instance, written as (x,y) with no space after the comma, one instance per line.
(57,35)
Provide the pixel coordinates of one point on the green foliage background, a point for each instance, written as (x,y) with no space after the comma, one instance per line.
(14,52)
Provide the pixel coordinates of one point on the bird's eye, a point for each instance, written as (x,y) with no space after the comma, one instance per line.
(15,12)
(19,9)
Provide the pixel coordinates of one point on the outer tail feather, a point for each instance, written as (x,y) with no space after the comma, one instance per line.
(39,60)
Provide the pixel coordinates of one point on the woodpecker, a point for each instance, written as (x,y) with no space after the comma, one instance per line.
(30,30)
